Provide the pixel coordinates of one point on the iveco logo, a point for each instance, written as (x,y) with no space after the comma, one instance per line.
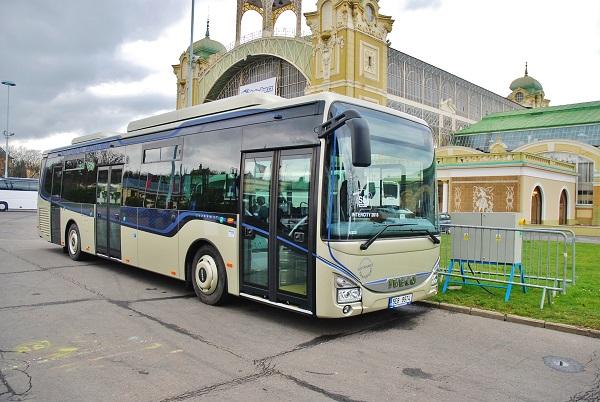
(402,282)
(366,268)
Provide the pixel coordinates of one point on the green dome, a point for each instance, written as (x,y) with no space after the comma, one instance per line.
(527,83)
(206,47)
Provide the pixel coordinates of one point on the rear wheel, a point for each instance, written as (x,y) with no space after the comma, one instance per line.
(74,243)
(208,276)
(3,206)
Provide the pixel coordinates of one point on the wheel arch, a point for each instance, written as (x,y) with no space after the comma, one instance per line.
(70,221)
(189,256)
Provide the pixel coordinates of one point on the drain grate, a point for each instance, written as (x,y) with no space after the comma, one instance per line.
(563,364)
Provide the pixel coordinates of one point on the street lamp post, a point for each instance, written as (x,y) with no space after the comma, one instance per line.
(190,61)
(7,134)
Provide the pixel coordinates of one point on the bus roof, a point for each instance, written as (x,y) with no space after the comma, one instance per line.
(174,119)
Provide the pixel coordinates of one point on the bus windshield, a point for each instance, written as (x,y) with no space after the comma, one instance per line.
(398,189)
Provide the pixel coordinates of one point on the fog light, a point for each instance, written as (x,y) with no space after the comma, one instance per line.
(349,295)
(347,309)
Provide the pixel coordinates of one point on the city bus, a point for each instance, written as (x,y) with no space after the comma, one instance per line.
(269,199)
(18,193)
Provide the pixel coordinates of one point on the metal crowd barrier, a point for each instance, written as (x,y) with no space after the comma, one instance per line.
(505,257)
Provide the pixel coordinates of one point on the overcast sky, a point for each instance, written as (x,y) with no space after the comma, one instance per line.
(83,66)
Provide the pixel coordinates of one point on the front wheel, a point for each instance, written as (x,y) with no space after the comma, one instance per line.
(3,206)
(208,276)
(74,243)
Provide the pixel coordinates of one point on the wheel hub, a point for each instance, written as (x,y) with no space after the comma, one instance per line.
(73,241)
(206,274)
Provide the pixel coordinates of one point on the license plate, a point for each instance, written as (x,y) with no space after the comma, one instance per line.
(398,301)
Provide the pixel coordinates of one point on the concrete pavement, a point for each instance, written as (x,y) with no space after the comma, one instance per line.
(99,331)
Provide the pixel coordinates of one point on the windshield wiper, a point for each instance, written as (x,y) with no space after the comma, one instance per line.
(368,243)
(431,235)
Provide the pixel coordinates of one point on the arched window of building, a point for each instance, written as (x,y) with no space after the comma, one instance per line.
(562,210)
(519,97)
(536,206)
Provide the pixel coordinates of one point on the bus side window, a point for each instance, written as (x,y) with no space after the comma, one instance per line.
(210,171)
(47,180)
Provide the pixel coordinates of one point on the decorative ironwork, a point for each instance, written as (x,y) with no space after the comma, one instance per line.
(290,82)
(413,79)
(295,51)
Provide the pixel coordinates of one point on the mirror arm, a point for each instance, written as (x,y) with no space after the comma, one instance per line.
(336,122)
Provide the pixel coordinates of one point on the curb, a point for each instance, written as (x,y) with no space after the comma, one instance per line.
(532,322)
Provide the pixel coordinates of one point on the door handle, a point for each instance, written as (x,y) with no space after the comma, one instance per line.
(248,233)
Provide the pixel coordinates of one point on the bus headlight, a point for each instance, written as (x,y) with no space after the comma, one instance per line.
(349,295)
(347,291)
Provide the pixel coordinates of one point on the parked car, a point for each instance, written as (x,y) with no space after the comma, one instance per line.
(444,219)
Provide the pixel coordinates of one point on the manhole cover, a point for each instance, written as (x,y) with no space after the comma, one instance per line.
(563,364)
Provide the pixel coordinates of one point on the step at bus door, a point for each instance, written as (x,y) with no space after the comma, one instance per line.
(108,211)
(278,226)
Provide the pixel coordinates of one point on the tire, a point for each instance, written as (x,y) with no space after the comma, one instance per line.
(209,277)
(3,206)
(74,243)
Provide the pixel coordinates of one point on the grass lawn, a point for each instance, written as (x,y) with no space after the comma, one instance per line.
(579,306)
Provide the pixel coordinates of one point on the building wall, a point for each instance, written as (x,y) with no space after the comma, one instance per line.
(585,214)
(551,191)
(472,181)
(485,194)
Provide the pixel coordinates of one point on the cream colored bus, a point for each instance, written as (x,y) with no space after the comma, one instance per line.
(323,204)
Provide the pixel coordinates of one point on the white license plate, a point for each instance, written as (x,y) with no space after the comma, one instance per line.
(398,301)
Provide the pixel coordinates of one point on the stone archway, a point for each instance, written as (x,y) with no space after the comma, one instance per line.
(290,82)
(295,51)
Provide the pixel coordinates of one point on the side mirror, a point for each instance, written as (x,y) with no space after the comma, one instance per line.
(360,135)
(361,142)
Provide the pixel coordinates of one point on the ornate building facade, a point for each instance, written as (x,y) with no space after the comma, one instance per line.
(347,52)
(548,172)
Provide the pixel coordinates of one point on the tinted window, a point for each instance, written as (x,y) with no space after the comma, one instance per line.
(79,181)
(210,171)
(152,155)
(47,178)
(281,133)
(56,180)
(161,185)
(133,185)
(4,185)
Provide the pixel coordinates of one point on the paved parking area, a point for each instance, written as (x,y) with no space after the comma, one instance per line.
(102,331)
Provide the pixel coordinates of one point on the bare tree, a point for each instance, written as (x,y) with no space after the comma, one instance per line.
(25,162)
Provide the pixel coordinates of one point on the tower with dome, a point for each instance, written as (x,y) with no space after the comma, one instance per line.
(528,92)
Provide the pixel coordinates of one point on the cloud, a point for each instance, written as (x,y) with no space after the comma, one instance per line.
(68,63)
(421,4)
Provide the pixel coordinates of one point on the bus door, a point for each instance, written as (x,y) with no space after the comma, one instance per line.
(54,204)
(278,226)
(108,210)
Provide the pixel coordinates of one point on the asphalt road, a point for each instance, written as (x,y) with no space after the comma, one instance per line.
(101,331)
